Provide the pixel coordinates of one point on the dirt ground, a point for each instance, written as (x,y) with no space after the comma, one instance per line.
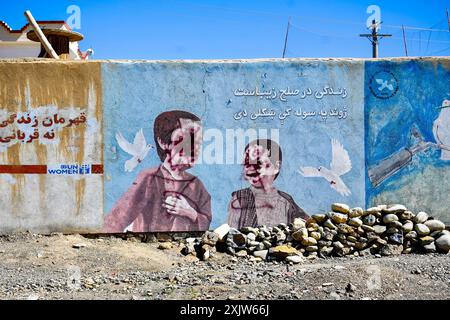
(76,267)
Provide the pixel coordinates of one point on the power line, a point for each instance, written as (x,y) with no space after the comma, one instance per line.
(437,52)
(254,12)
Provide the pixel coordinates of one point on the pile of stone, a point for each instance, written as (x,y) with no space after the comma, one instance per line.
(382,230)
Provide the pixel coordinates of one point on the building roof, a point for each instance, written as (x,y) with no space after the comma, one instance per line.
(4,25)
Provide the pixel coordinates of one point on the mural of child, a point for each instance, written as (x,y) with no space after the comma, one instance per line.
(167,198)
(262,203)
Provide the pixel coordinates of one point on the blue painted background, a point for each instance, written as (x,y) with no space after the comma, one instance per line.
(136,92)
(424,183)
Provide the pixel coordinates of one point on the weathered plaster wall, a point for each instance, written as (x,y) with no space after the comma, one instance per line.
(373,109)
(38,200)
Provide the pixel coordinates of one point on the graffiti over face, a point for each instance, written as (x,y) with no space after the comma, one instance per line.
(185,145)
(261,163)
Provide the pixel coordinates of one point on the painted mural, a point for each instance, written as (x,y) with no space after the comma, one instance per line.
(165,197)
(408,134)
(245,143)
(155,146)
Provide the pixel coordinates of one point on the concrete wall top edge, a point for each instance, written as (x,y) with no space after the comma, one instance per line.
(259,60)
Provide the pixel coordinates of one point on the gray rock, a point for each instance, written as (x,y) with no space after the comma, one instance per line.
(372,211)
(367,228)
(429,248)
(309,241)
(189,249)
(300,234)
(396,224)
(236,239)
(241,253)
(355,222)
(408,226)
(411,235)
(322,243)
(443,243)
(294,259)
(396,208)
(210,238)
(298,223)
(421,217)
(345,228)
(261,254)
(421,229)
(392,230)
(407,215)
(391,249)
(267,244)
(390,218)
(435,225)
(165,245)
(246,230)
(340,207)
(379,229)
(222,231)
(338,217)
(251,237)
(356,212)
(319,217)
(329,224)
(326,251)
(316,235)
(328,236)
(338,245)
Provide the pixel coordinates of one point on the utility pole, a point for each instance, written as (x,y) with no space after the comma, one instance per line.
(286,37)
(404,41)
(374,37)
(448,19)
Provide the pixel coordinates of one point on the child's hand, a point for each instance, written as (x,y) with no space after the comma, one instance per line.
(179,206)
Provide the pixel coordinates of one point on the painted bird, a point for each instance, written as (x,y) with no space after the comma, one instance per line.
(441,128)
(340,165)
(138,149)
(384,84)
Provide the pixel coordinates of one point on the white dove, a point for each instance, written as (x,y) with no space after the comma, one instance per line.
(139,149)
(384,84)
(441,129)
(340,165)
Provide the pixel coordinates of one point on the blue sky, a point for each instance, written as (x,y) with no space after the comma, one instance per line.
(220,29)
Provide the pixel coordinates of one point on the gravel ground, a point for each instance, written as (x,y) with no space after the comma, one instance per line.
(76,267)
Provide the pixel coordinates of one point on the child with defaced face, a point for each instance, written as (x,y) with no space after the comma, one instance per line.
(262,203)
(167,198)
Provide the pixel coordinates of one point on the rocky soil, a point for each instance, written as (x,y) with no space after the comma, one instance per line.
(76,267)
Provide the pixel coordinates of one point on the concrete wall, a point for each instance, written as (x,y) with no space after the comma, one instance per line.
(38,101)
(380,126)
